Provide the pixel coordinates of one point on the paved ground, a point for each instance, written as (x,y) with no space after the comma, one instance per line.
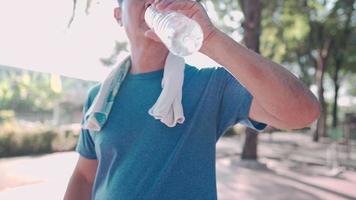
(248,180)
(281,173)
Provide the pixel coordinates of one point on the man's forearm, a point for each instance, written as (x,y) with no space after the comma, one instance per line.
(277,90)
(78,188)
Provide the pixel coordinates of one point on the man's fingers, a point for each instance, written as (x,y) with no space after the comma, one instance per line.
(175,4)
(163,4)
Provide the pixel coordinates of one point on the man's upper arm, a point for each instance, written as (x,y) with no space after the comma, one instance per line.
(86,168)
(235,104)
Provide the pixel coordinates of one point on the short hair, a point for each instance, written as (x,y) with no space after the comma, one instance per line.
(120,1)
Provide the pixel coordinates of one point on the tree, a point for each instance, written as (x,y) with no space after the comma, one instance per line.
(324,24)
(25,91)
(38,96)
(251,38)
(296,33)
(309,34)
(344,49)
(285,27)
(251,29)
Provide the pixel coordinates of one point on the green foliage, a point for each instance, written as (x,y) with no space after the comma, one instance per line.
(37,94)
(17,139)
(284,28)
(6,115)
(351,86)
(344,41)
(35,143)
(25,91)
(294,31)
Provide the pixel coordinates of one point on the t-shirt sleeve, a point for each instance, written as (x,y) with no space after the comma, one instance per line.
(235,104)
(85,145)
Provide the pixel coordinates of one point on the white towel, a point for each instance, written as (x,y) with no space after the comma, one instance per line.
(97,114)
(168,108)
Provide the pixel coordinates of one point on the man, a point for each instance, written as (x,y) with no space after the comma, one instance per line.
(137,157)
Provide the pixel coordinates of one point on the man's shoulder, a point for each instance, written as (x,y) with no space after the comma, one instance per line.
(204,70)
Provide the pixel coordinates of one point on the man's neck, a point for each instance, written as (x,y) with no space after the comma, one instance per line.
(148,58)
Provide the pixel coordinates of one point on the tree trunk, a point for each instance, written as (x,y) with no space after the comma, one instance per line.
(252,23)
(339,51)
(336,91)
(335,106)
(321,67)
(252,29)
(321,124)
(249,150)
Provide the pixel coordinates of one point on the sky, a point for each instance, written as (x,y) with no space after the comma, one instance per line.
(34,35)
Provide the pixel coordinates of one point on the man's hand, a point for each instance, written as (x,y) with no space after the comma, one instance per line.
(191,9)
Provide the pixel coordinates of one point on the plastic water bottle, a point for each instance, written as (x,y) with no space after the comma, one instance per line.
(180,34)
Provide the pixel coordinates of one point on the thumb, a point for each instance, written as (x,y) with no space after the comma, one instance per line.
(152,35)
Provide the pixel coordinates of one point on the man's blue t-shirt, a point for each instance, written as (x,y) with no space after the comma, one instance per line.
(139,157)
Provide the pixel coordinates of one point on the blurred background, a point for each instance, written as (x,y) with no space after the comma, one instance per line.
(52,52)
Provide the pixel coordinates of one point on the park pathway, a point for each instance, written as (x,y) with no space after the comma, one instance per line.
(277,176)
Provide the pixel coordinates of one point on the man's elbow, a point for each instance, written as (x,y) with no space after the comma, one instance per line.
(310,114)
(313,112)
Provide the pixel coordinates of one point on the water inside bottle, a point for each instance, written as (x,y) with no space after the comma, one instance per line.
(181,35)
(186,38)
